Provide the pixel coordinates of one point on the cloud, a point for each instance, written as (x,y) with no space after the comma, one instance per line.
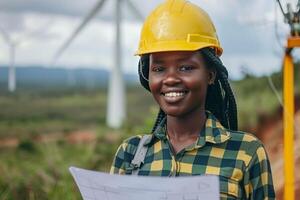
(73,8)
(66,7)
(255,64)
(45,25)
(94,47)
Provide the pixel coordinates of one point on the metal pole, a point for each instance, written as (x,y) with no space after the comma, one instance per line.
(12,70)
(116,93)
(288,121)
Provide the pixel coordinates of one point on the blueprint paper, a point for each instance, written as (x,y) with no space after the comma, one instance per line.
(102,186)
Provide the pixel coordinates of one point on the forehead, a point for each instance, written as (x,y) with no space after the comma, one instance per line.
(176,56)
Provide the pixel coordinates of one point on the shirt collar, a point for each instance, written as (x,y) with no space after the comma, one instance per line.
(213,132)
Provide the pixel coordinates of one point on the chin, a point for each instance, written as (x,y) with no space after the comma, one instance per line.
(174,112)
(180,112)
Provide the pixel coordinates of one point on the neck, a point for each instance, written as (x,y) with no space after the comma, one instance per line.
(183,127)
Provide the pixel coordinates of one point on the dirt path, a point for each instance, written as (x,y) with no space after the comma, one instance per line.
(84,136)
(272,137)
(9,142)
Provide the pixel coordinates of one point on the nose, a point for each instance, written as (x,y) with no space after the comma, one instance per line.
(171,77)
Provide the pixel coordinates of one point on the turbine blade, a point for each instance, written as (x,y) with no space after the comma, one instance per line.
(85,21)
(5,36)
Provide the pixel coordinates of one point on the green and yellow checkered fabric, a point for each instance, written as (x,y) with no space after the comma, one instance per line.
(238,158)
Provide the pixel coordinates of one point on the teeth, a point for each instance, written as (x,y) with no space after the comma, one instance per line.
(174,94)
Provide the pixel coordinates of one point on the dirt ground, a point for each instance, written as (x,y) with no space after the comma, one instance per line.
(271,134)
(84,136)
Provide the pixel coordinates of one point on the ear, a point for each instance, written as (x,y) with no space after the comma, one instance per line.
(211,76)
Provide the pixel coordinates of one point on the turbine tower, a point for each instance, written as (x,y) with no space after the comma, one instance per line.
(11,70)
(116,110)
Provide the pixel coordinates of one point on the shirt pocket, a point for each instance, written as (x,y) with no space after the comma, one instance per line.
(229,188)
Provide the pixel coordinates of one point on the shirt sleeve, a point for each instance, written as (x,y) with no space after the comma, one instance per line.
(118,166)
(124,155)
(258,180)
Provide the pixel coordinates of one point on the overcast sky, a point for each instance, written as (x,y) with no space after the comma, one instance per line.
(246,30)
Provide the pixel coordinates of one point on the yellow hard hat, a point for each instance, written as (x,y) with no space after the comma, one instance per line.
(178,25)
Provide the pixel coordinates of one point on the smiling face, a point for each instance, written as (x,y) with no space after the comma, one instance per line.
(178,81)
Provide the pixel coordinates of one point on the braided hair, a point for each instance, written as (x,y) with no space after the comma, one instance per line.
(220,99)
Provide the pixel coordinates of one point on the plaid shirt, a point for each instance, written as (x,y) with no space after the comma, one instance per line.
(238,158)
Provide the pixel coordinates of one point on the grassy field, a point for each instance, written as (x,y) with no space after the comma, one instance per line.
(39,170)
(29,113)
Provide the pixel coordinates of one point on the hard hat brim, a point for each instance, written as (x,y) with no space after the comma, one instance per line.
(176,46)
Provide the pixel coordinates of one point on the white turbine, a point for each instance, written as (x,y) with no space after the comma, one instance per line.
(12,51)
(116,111)
(116,89)
(11,70)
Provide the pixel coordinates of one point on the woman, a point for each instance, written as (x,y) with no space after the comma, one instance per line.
(195,131)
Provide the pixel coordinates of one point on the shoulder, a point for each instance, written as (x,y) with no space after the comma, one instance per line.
(130,144)
(133,140)
(245,138)
(124,155)
(249,147)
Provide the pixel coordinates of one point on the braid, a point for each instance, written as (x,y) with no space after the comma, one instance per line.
(159,118)
(214,102)
(232,112)
(226,99)
(144,75)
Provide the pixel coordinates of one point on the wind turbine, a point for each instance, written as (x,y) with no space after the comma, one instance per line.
(13,44)
(116,111)
(11,70)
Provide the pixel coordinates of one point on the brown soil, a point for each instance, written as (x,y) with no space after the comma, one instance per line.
(76,137)
(270,132)
(9,142)
(81,137)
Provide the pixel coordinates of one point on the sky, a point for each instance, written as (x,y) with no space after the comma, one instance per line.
(252,33)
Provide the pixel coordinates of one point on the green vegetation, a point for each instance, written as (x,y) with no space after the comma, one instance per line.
(30,113)
(39,170)
(255,97)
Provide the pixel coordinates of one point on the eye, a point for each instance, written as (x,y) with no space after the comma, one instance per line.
(186,68)
(157,68)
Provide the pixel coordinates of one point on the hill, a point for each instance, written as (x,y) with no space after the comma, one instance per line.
(43,77)
(256,97)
